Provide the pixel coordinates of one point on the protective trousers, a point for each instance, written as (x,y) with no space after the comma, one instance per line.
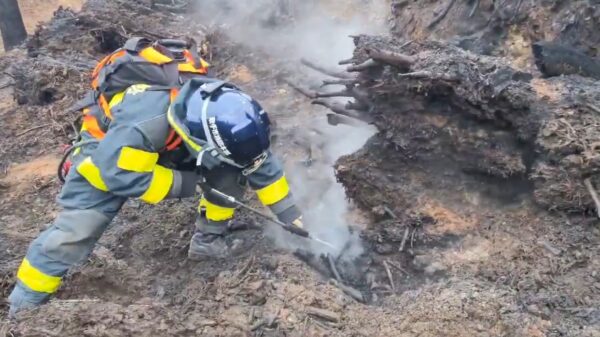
(219,212)
(67,242)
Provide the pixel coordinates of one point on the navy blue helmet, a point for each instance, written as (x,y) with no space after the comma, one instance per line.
(232,123)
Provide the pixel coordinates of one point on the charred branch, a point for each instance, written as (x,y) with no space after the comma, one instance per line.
(347,61)
(442,15)
(358,105)
(323,70)
(340,109)
(306,92)
(590,187)
(391,58)
(335,120)
(347,82)
(474,8)
(342,93)
(368,64)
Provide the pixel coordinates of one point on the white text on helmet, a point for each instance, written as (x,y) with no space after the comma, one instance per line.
(212,125)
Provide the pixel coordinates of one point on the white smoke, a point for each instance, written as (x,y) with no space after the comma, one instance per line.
(289,30)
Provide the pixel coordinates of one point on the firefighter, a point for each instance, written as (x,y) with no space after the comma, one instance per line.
(223,140)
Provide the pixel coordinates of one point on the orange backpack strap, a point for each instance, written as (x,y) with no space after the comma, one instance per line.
(173,140)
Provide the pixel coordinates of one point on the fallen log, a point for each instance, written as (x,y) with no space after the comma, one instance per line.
(553,59)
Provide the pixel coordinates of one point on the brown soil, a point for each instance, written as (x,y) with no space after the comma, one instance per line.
(452,186)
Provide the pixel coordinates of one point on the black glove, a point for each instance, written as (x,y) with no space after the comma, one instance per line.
(291,216)
(208,159)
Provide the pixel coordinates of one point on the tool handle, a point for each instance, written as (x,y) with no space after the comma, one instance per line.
(288,227)
(295,230)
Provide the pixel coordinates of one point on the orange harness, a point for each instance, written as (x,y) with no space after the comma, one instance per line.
(91,125)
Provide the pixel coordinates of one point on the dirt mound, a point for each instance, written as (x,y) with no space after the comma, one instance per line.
(435,103)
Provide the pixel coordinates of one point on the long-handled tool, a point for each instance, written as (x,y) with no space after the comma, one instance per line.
(288,227)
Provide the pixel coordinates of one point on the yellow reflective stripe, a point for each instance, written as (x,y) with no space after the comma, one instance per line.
(202,204)
(77,150)
(136,160)
(154,56)
(91,173)
(117,98)
(274,192)
(216,212)
(160,185)
(37,280)
(196,147)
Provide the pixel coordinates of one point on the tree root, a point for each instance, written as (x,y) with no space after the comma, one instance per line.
(441,17)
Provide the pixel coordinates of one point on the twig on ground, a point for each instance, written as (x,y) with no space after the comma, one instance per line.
(474,8)
(407,43)
(327,315)
(442,15)
(389,275)
(404,238)
(517,9)
(593,108)
(33,129)
(550,247)
(258,324)
(390,212)
(397,266)
(594,194)
(354,293)
(333,268)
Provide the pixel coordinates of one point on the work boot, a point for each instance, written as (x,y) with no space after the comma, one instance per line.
(203,246)
(22,298)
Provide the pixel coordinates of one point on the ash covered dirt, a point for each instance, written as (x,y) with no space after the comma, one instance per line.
(453,186)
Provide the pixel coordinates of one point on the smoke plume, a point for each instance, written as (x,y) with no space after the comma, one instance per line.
(288,30)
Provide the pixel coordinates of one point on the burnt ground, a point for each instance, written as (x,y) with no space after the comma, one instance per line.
(451,178)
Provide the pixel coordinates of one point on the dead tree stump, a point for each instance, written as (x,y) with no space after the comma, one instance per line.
(11,24)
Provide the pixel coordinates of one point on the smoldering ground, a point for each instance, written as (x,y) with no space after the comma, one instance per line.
(288,31)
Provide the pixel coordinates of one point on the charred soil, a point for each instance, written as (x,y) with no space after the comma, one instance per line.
(477,221)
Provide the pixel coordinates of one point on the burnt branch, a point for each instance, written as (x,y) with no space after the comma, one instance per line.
(347,61)
(442,15)
(340,109)
(306,92)
(341,93)
(391,58)
(323,70)
(368,64)
(347,82)
(474,8)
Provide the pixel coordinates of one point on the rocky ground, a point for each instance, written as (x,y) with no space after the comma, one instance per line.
(469,201)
